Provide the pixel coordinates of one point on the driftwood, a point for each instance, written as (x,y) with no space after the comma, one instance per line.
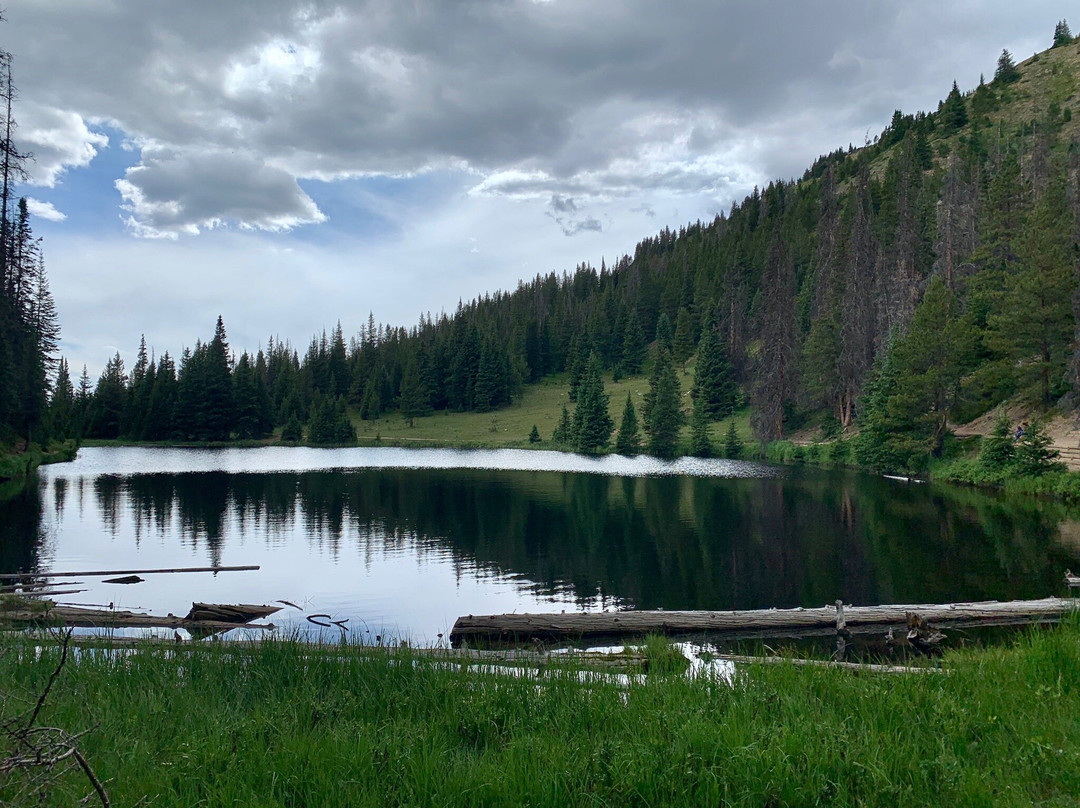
(1072,581)
(762,623)
(203,618)
(229,613)
(864,667)
(19,576)
(35,590)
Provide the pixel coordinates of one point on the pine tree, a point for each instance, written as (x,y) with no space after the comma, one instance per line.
(109,400)
(1007,71)
(160,418)
(141,385)
(684,337)
(488,392)
(370,407)
(629,439)
(83,397)
(665,416)
(329,424)
(664,336)
(700,445)
(534,435)
(634,347)
(954,110)
(733,447)
(928,362)
(62,407)
(1033,319)
(714,377)
(293,431)
(219,410)
(592,425)
(1035,454)
(1062,35)
(577,363)
(249,416)
(998,450)
(563,433)
(415,401)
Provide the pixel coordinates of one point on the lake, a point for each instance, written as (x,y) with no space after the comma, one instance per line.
(401,542)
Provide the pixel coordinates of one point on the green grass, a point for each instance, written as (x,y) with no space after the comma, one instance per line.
(540,405)
(285,724)
(18,465)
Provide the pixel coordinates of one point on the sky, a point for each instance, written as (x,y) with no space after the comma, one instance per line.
(289,165)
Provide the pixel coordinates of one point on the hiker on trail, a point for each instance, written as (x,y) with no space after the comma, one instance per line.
(1020,431)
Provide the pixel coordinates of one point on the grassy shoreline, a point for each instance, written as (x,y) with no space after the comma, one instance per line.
(279,724)
(17,467)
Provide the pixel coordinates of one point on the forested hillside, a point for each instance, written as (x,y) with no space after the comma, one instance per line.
(919,280)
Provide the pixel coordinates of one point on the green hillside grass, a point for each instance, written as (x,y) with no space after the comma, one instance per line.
(540,405)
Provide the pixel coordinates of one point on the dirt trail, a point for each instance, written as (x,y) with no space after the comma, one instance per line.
(1064,431)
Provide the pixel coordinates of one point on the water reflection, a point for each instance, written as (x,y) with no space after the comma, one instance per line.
(414,547)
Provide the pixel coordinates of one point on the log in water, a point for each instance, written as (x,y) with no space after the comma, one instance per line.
(203,617)
(18,576)
(759,623)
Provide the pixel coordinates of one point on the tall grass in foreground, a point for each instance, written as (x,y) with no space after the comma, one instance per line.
(286,724)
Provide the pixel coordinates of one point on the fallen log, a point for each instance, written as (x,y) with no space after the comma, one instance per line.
(203,618)
(35,588)
(19,576)
(857,667)
(759,623)
(229,613)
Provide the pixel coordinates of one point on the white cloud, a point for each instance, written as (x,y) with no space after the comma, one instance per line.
(185,192)
(58,139)
(44,210)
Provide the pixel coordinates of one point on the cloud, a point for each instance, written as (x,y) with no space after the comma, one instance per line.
(564,211)
(611,98)
(44,210)
(58,140)
(171,193)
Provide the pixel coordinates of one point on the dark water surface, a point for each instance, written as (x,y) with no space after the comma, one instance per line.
(401,542)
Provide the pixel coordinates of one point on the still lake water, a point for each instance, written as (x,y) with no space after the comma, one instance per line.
(401,542)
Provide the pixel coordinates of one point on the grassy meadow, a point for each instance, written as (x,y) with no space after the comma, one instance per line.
(285,724)
(540,405)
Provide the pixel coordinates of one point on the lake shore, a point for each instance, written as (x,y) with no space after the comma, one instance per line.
(16,467)
(280,723)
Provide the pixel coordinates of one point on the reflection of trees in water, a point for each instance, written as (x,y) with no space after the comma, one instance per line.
(60,486)
(21,532)
(107,490)
(669,542)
